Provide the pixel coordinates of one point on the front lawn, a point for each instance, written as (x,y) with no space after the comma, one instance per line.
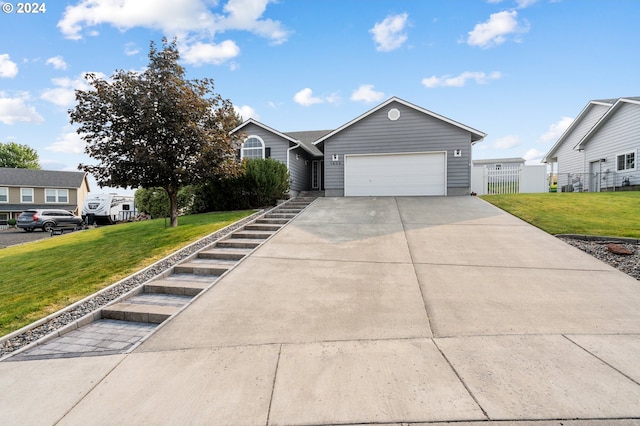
(39,278)
(614,214)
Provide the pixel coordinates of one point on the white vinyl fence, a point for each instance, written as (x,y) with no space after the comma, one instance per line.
(510,180)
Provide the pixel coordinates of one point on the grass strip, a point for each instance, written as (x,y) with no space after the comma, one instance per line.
(39,278)
(612,214)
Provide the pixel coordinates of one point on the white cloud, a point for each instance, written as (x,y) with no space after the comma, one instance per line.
(460,80)
(507,142)
(365,93)
(246,112)
(57,62)
(8,68)
(69,143)
(131,49)
(173,17)
(525,3)
(16,109)
(208,53)
(64,94)
(533,156)
(305,98)
(495,31)
(556,130)
(388,34)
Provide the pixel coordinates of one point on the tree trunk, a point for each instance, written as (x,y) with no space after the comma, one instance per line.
(173,203)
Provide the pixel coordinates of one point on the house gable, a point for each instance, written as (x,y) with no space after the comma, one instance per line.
(399,127)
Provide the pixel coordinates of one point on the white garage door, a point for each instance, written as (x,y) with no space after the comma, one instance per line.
(421,173)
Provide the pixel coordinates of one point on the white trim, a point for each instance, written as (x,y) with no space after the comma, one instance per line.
(22,196)
(259,140)
(6,188)
(444,168)
(635,160)
(602,120)
(57,196)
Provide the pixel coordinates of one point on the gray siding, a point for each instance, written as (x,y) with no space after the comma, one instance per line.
(300,170)
(277,144)
(618,135)
(414,131)
(570,160)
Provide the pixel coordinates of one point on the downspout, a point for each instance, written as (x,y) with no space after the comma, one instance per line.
(288,165)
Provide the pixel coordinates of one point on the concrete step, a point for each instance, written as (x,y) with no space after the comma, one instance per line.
(286,210)
(199,267)
(277,215)
(160,299)
(182,288)
(224,253)
(137,312)
(262,227)
(255,235)
(239,243)
(267,221)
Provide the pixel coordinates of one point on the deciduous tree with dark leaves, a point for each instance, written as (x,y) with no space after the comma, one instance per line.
(155,128)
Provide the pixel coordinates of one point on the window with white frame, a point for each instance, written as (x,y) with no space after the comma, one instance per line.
(4,195)
(26,195)
(626,161)
(253,147)
(56,195)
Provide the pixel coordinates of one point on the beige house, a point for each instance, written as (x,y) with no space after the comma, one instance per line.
(24,189)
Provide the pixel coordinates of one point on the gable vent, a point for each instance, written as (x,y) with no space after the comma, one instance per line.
(393,114)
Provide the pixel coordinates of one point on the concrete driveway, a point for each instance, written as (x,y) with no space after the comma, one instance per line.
(373,310)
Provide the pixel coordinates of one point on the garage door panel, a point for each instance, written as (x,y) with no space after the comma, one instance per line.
(395,174)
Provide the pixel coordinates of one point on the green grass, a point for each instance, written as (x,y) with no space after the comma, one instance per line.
(41,277)
(614,214)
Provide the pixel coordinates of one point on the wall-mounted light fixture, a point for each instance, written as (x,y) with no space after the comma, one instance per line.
(335,157)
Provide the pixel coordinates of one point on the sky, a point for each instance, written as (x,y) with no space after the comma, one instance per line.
(518,70)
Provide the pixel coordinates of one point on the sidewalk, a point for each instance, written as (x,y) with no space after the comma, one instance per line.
(372,310)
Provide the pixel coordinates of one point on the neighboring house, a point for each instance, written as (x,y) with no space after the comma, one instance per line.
(396,148)
(599,151)
(499,163)
(24,189)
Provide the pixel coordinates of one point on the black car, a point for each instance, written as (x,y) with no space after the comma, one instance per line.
(47,219)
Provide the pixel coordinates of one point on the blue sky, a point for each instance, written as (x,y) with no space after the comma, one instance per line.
(518,70)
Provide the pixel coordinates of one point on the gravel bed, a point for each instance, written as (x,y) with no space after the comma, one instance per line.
(629,264)
(103,297)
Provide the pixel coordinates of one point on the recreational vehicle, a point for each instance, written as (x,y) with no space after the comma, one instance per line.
(105,209)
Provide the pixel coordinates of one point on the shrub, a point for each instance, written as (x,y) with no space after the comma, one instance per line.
(11,223)
(259,184)
(266,181)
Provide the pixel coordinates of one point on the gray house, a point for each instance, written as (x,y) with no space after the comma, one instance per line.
(599,151)
(396,148)
(23,189)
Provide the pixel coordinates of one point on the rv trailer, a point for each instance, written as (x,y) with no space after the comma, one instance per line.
(107,209)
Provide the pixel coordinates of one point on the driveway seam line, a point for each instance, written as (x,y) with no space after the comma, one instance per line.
(273,386)
(415,272)
(461,380)
(600,359)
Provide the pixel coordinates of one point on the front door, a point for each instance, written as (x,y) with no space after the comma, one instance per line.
(316,175)
(594,176)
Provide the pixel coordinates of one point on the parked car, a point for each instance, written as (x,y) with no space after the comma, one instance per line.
(46,219)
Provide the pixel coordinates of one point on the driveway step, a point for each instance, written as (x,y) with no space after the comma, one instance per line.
(242,243)
(285,210)
(137,312)
(279,216)
(199,268)
(272,221)
(256,235)
(224,253)
(262,227)
(183,288)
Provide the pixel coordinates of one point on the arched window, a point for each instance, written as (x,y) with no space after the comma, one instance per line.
(253,147)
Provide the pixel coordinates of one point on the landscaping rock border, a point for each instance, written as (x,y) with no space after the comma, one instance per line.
(597,247)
